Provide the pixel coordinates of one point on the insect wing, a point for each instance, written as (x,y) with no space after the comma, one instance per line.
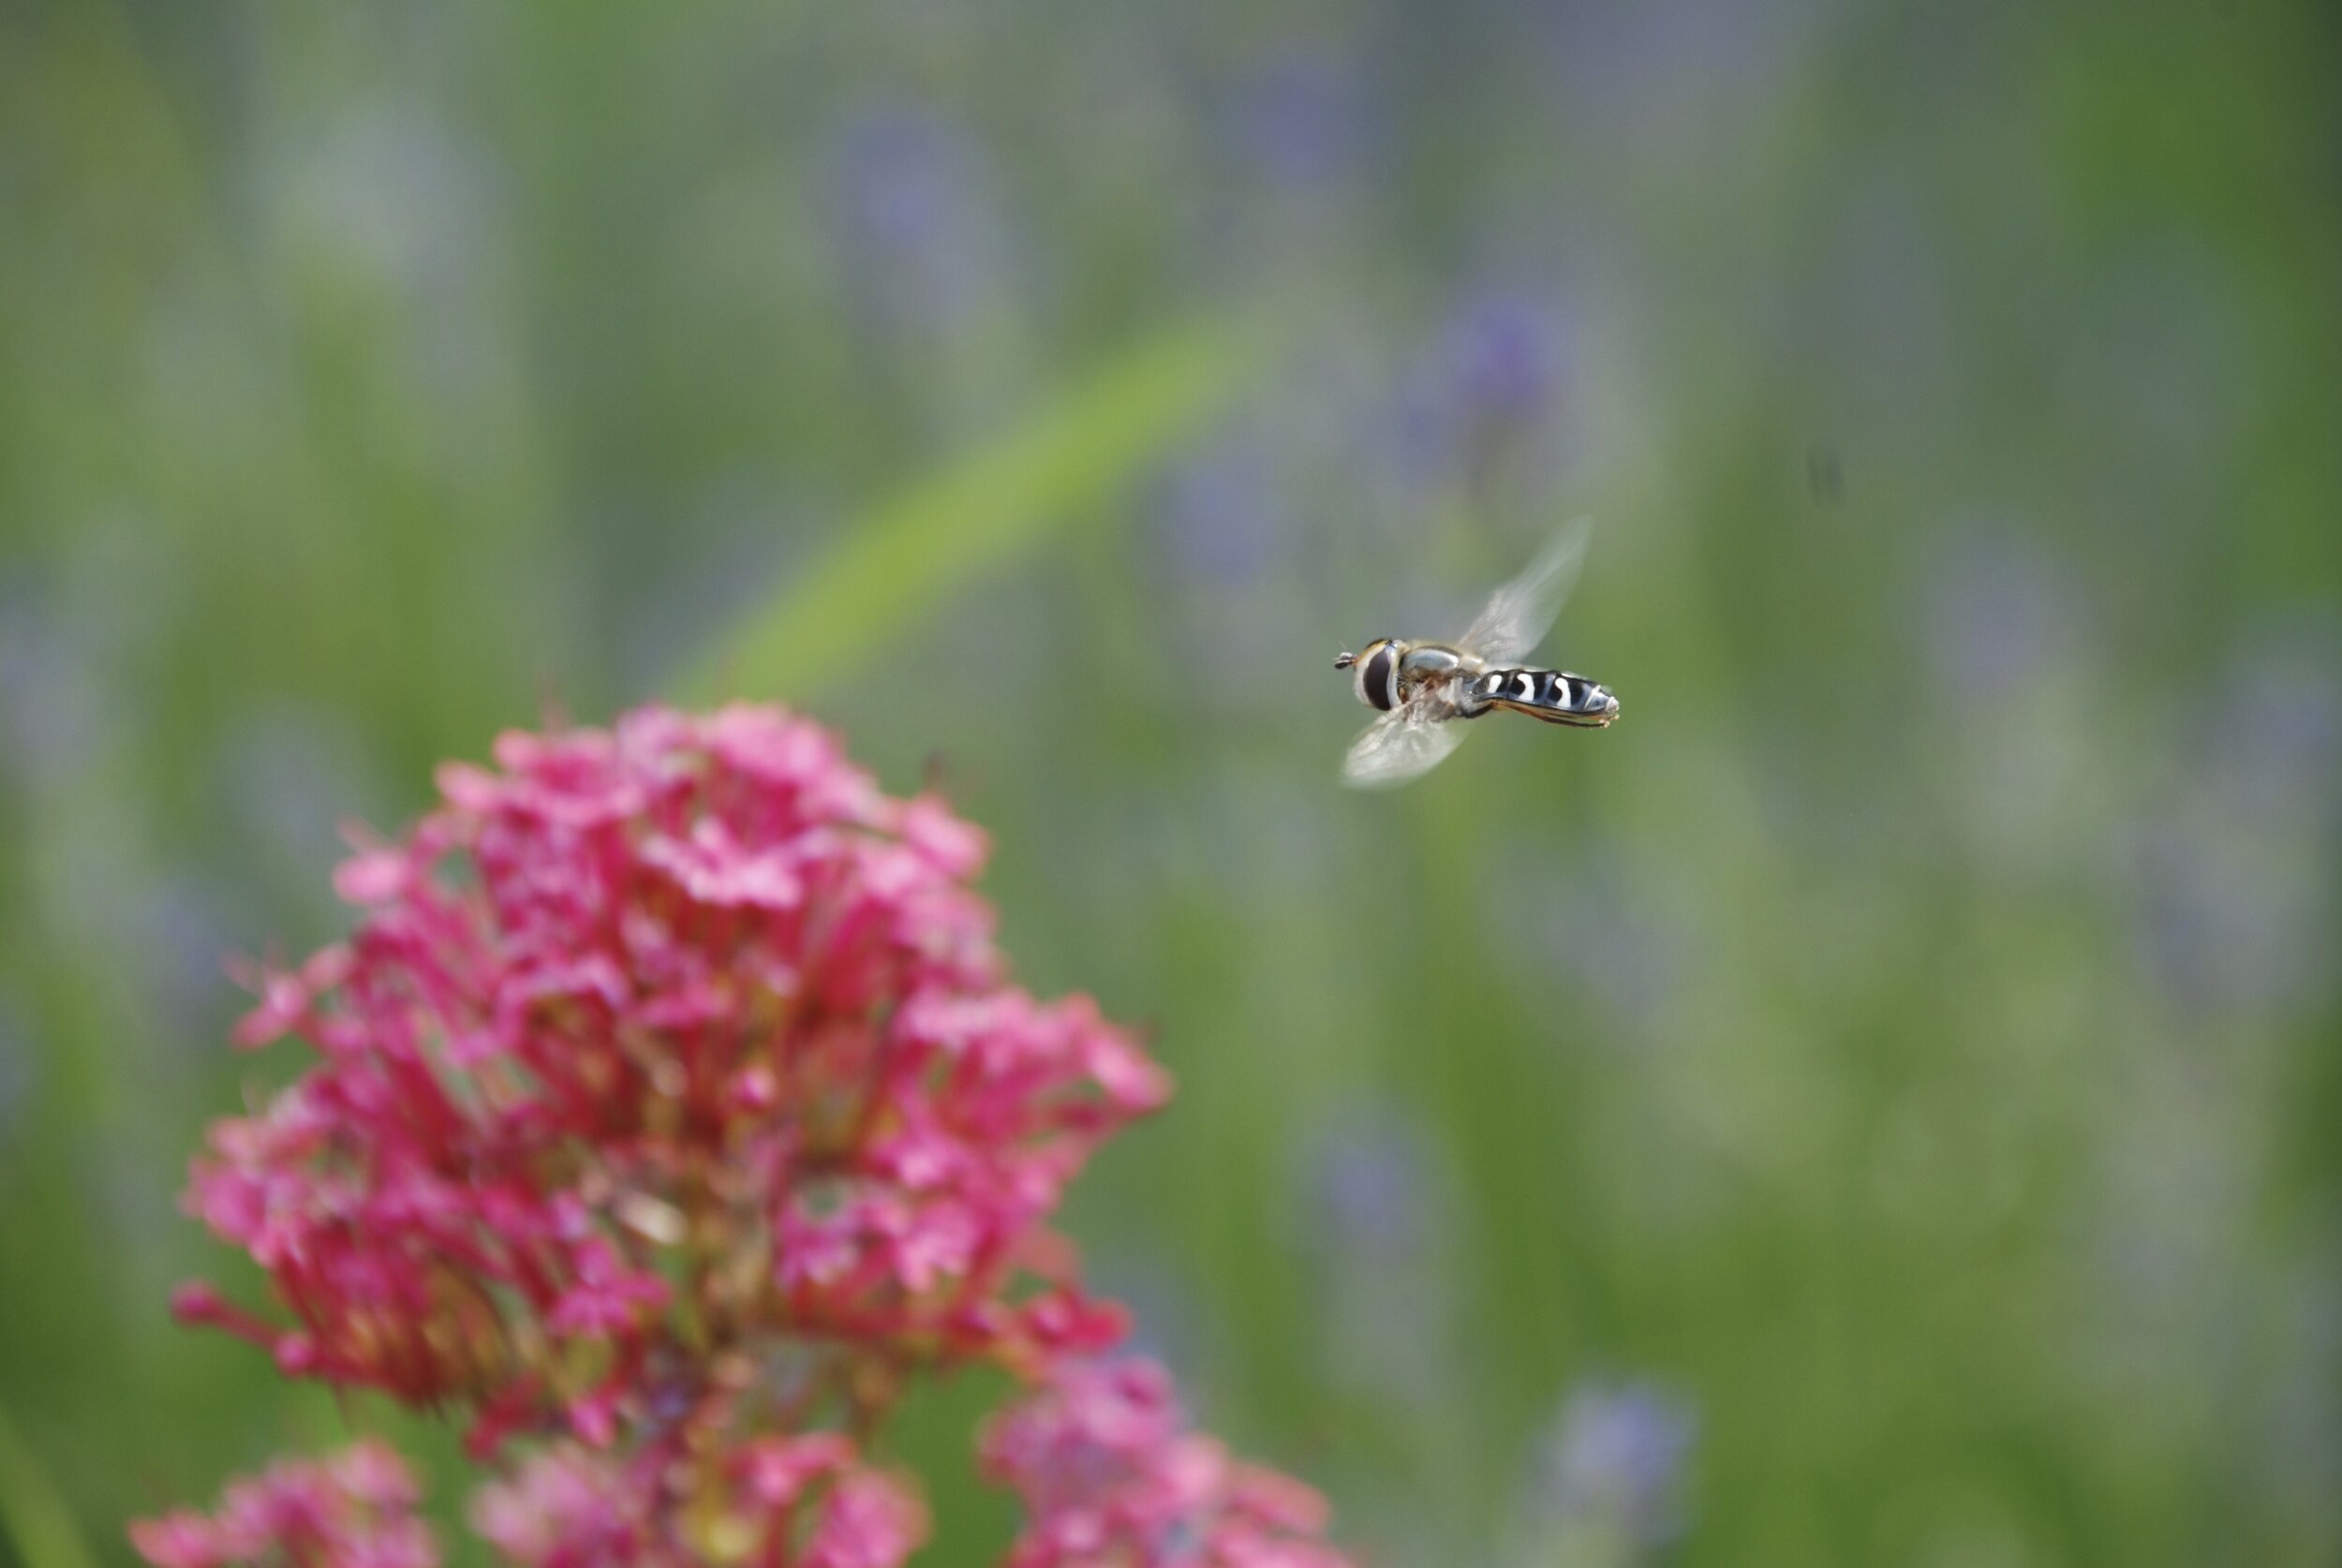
(1521,612)
(1399,746)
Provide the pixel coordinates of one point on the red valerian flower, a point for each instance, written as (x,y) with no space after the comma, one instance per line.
(675,1036)
(353,1511)
(669,1109)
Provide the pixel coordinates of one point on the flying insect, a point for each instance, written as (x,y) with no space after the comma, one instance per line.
(1425,693)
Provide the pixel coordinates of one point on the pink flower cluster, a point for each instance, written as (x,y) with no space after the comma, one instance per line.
(1111,1478)
(670,1109)
(355,1511)
(801,1501)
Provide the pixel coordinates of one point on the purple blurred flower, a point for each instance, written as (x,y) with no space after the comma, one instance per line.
(1494,370)
(1502,356)
(1371,1220)
(1219,514)
(2232,912)
(1993,612)
(2283,704)
(1370,1187)
(2209,937)
(51,715)
(908,194)
(185,922)
(1611,1466)
(1608,917)
(1305,117)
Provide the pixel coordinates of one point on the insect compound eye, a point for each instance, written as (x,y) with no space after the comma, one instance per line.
(1374,680)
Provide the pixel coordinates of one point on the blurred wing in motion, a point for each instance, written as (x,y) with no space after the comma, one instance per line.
(1399,746)
(1522,611)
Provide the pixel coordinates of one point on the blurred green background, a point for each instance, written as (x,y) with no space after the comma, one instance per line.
(1877,1104)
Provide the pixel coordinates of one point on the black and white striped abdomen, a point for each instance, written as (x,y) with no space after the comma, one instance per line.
(1554,696)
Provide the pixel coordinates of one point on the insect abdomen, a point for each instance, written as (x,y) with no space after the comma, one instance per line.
(1554,696)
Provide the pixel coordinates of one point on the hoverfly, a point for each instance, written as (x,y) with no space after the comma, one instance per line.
(1424,690)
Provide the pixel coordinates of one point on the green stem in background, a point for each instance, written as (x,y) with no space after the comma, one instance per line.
(33,1517)
(1061,463)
